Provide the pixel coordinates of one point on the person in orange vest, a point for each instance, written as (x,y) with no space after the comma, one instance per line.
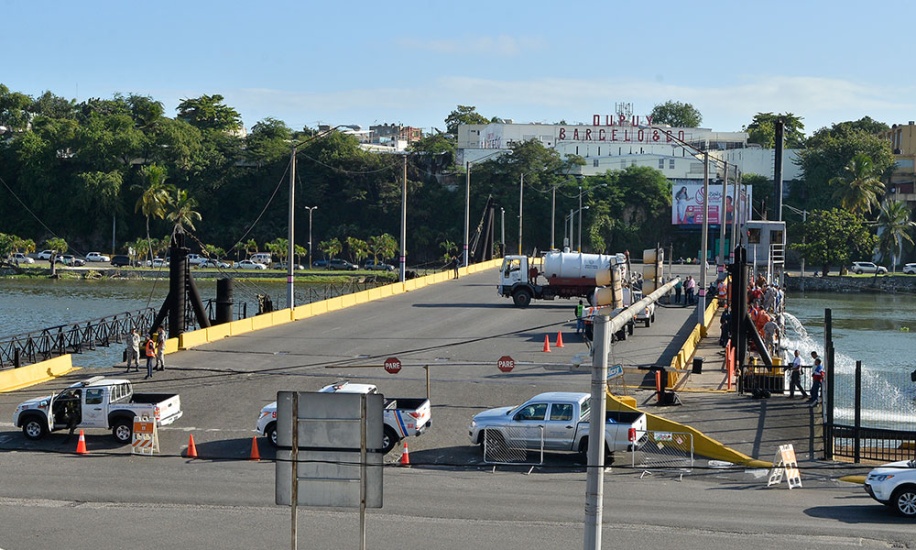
(150,356)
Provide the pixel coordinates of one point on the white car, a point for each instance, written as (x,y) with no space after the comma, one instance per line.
(867,267)
(157,262)
(248,264)
(894,485)
(97,257)
(213,262)
(45,254)
(909,269)
(20,258)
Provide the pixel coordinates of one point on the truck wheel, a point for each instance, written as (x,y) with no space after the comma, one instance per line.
(389,439)
(648,322)
(123,430)
(271,433)
(904,501)
(34,428)
(652,318)
(583,450)
(522,298)
(630,328)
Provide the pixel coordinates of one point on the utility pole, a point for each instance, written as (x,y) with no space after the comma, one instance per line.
(521,192)
(403,259)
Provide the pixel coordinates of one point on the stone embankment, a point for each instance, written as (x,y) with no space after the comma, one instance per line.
(886,284)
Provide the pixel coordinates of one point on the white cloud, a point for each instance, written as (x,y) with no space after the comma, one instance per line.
(502,45)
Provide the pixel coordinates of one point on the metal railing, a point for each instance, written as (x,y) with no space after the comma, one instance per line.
(669,451)
(511,445)
(34,347)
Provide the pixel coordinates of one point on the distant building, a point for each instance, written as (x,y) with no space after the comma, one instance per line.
(902,185)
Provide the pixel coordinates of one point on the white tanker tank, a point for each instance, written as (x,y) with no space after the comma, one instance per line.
(575,265)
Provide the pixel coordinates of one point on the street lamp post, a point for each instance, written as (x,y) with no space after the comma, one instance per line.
(502,212)
(521,192)
(310,209)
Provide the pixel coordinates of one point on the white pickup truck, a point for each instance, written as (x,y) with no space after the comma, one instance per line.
(404,416)
(106,403)
(556,421)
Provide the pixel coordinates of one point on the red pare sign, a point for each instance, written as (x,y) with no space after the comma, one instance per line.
(505,363)
(393,365)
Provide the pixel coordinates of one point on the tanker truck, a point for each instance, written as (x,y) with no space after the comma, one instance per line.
(562,275)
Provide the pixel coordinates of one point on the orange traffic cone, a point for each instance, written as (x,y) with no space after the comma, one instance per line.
(81,446)
(192,449)
(559,339)
(405,458)
(546,344)
(255,455)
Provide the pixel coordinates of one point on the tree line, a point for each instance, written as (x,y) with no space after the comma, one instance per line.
(85,172)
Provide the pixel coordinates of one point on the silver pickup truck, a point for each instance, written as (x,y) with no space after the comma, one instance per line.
(98,402)
(557,421)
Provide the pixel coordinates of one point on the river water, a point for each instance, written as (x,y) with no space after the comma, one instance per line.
(877,329)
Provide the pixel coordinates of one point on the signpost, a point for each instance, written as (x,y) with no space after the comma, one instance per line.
(614,371)
(393,365)
(505,363)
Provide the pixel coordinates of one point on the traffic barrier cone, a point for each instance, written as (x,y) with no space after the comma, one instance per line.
(405,458)
(559,339)
(81,445)
(546,344)
(255,455)
(192,449)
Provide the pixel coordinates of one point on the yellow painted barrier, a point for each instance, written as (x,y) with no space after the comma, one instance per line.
(240,327)
(259,322)
(188,340)
(703,445)
(29,375)
(218,332)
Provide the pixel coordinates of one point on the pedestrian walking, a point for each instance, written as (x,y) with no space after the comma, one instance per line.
(795,377)
(161,338)
(132,350)
(817,379)
(150,350)
(455,265)
(770,333)
(725,326)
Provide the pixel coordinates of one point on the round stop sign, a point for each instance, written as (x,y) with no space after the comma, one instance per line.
(393,365)
(505,363)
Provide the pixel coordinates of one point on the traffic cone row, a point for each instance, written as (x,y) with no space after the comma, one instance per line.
(559,339)
(192,449)
(255,455)
(546,344)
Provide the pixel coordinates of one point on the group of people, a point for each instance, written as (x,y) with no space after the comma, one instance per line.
(153,349)
(689,289)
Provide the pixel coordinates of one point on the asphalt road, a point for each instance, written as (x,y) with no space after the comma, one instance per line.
(447,499)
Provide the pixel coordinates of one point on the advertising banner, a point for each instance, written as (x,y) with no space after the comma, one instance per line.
(687,204)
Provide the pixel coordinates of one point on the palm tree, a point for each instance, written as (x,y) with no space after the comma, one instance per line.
(155,198)
(182,212)
(859,189)
(894,225)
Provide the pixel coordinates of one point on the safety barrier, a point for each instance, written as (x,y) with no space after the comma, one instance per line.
(514,445)
(23,377)
(665,451)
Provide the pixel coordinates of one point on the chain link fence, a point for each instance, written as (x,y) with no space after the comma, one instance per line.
(665,451)
(514,445)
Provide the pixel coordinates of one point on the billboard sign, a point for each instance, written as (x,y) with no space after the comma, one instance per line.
(687,204)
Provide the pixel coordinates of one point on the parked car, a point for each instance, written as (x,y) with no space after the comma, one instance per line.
(262,258)
(320,263)
(121,260)
(867,267)
(337,263)
(372,265)
(196,259)
(20,258)
(97,257)
(45,254)
(157,262)
(909,269)
(248,264)
(285,266)
(72,261)
(894,485)
(213,262)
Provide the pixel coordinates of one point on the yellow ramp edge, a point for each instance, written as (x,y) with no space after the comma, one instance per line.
(29,375)
(702,444)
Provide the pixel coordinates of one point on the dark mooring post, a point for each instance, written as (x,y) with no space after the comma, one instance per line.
(223,301)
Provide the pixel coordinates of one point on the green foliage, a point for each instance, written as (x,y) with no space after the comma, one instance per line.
(331,247)
(358,249)
(835,237)
(208,112)
(383,246)
(464,114)
(894,227)
(677,115)
(828,156)
(762,130)
(859,189)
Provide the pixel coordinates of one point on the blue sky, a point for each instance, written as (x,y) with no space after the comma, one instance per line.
(412,62)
